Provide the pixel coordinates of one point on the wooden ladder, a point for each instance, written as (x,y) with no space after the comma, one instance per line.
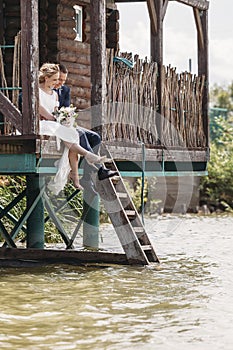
(125,218)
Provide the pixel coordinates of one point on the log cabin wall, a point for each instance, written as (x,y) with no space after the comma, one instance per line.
(9,27)
(48,30)
(57,42)
(75,55)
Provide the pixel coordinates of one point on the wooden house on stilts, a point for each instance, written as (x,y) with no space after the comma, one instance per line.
(152,120)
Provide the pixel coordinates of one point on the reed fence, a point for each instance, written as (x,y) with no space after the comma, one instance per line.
(131,112)
(132,105)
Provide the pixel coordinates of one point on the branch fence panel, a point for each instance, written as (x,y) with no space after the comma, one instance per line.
(132,104)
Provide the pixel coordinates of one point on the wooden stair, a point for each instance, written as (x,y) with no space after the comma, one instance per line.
(125,218)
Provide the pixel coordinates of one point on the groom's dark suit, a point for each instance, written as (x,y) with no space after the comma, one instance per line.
(64,96)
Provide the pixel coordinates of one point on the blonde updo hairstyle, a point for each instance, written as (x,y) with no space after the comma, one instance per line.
(48,70)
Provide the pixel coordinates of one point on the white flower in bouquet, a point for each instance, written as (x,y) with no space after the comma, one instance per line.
(66,115)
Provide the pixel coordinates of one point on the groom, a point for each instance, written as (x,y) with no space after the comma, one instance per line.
(90,140)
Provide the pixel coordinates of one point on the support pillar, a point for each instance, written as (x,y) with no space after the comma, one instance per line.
(35,222)
(91,221)
(98,99)
(203,69)
(157,56)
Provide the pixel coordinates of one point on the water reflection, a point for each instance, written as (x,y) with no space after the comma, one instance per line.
(187,302)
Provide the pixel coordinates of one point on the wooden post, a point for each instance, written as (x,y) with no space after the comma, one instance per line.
(157,56)
(91,221)
(203,63)
(1,23)
(98,61)
(98,96)
(29,69)
(35,222)
(29,65)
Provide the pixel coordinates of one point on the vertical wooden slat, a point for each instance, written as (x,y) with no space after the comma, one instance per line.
(197,13)
(153,15)
(29,65)
(157,56)
(165,4)
(1,23)
(203,69)
(98,60)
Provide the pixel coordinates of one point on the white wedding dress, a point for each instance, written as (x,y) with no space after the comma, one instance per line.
(64,133)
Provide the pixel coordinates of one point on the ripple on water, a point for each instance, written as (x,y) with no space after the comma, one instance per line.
(186,303)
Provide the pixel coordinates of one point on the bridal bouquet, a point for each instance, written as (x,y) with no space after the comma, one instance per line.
(66,115)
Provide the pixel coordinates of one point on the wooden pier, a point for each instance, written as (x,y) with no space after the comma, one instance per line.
(154,122)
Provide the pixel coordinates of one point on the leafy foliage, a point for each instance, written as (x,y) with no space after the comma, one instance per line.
(11,186)
(222,97)
(217,187)
(136,193)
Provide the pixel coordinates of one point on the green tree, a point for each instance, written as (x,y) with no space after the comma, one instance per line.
(222,97)
(217,187)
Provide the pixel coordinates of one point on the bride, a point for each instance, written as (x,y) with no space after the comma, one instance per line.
(48,103)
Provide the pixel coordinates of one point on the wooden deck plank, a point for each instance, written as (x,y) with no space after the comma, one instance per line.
(134,152)
(9,256)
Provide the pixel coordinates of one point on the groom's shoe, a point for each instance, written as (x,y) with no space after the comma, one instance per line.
(106,173)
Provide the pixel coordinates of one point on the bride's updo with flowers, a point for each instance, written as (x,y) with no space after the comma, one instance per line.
(48,70)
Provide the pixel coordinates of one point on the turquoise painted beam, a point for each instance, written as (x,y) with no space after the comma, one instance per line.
(17,163)
(139,173)
(163,173)
(27,163)
(131,173)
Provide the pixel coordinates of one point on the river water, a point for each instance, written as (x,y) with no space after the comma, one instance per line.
(185,304)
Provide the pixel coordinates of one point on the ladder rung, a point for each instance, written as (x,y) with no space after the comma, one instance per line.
(122,194)
(115,179)
(130,212)
(146,247)
(138,229)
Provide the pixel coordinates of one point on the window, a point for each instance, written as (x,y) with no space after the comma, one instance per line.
(79,22)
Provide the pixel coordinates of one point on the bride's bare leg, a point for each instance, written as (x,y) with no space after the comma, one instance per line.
(90,157)
(76,148)
(74,159)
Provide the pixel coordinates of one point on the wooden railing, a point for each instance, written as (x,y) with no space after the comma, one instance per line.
(182,123)
(132,105)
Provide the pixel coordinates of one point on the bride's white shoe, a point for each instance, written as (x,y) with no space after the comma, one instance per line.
(93,158)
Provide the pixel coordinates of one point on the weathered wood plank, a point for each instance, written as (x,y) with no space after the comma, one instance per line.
(55,256)
(157,56)
(165,4)
(30,54)
(153,15)
(130,0)
(17,144)
(199,4)
(10,112)
(132,153)
(203,70)
(1,23)
(196,13)
(135,154)
(98,58)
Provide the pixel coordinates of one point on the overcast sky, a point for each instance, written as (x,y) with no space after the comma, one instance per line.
(180,36)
